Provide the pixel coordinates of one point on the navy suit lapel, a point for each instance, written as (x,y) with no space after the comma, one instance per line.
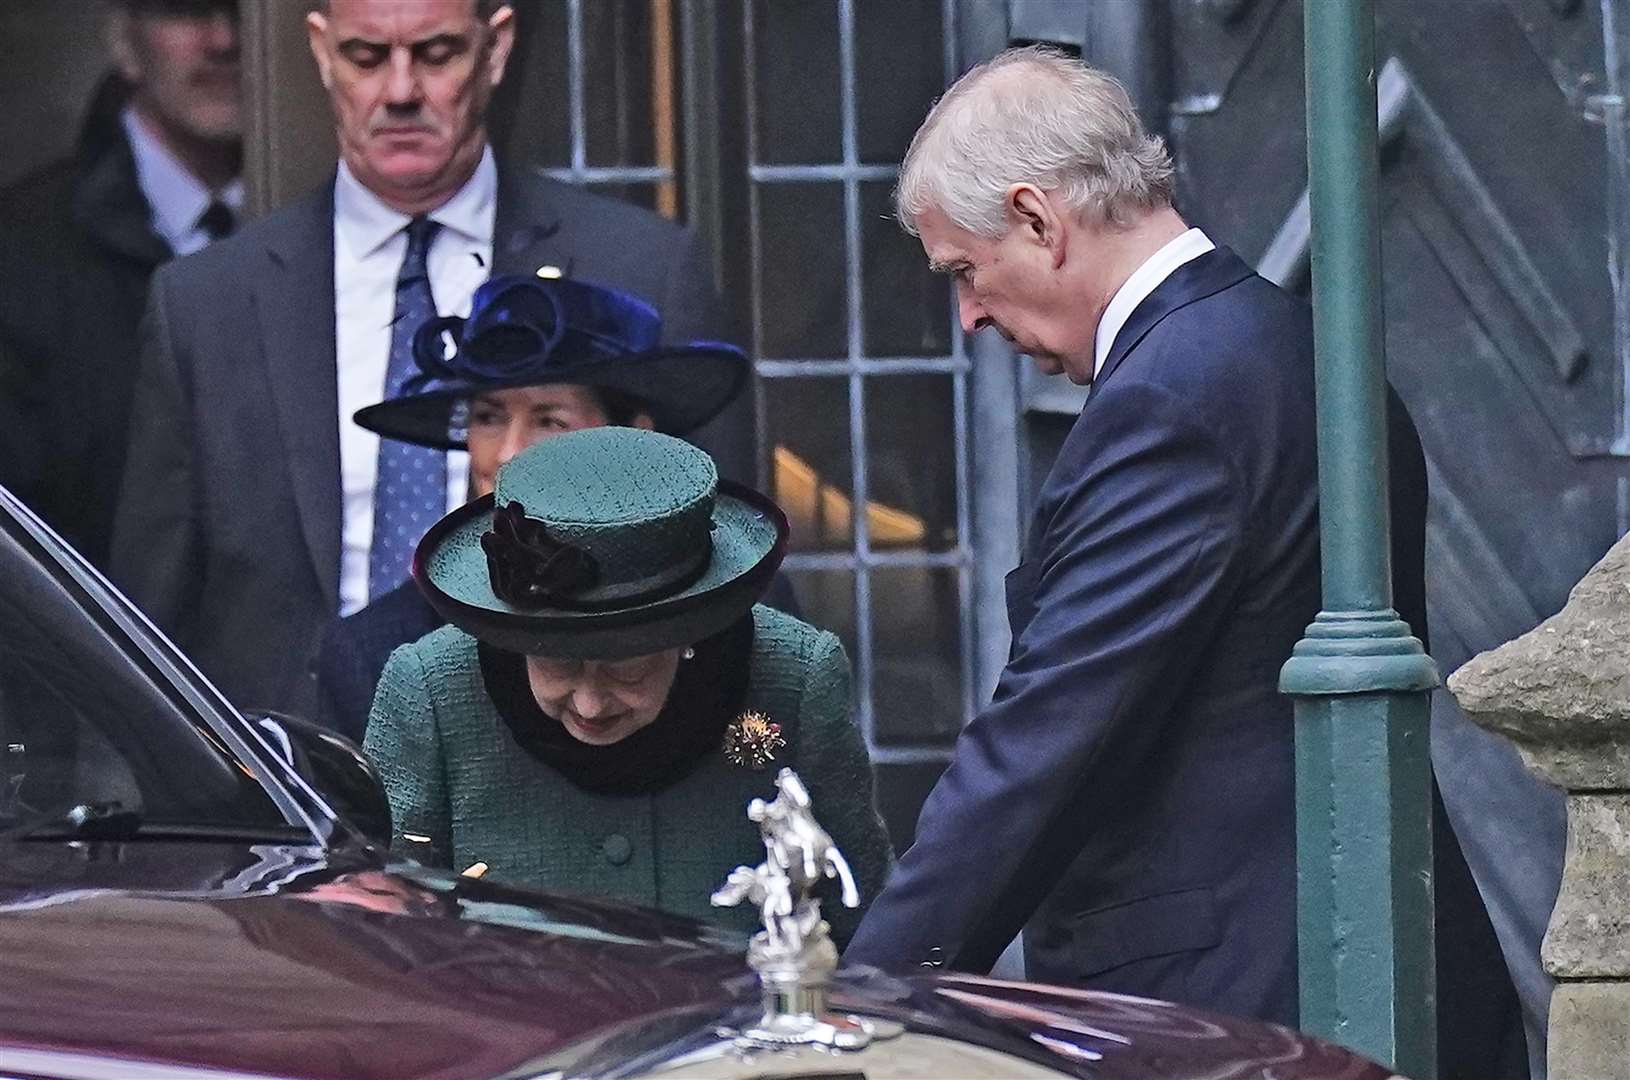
(294,302)
(1196,279)
(526,232)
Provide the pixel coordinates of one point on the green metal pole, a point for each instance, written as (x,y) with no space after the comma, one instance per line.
(1360,678)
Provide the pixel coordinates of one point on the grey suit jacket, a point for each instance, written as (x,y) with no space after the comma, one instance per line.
(228,526)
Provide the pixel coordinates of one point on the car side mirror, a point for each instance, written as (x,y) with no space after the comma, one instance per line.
(335,767)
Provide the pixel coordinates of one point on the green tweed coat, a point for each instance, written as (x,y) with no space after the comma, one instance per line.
(455,775)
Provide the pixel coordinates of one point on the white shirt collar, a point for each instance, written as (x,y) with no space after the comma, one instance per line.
(366,222)
(176,197)
(1144,280)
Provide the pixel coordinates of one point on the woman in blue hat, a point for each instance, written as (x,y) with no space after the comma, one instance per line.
(535,358)
(609,694)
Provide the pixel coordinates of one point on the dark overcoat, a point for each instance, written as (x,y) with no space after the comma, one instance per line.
(77,250)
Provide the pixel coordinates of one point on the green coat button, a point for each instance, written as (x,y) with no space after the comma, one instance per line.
(617,849)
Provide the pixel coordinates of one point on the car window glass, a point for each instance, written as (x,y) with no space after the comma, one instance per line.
(84,720)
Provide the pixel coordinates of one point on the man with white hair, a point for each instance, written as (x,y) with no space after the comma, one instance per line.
(1128,792)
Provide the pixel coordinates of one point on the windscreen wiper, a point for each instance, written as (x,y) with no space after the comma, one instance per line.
(83,821)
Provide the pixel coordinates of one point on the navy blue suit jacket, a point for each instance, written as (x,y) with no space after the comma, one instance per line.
(354,650)
(1129,789)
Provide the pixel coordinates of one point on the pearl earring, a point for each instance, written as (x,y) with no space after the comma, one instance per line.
(688,654)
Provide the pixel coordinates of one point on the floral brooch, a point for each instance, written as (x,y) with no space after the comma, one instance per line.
(752,739)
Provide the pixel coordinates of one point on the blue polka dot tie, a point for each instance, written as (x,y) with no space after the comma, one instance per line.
(410,492)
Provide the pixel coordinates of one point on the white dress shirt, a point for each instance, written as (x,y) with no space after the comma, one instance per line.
(175,196)
(1144,280)
(368,248)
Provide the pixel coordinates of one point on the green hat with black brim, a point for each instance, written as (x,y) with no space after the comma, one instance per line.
(527,331)
(600,545)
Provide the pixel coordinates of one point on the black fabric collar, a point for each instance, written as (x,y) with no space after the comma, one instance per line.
(107,201)
(708,692)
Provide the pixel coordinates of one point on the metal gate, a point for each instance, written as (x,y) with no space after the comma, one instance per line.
(865,387)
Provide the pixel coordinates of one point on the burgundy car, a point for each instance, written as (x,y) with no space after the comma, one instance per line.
(189,892)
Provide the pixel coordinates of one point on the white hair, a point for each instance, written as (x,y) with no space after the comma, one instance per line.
(1032,115)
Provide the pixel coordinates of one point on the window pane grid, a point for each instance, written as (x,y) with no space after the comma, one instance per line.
(960,420)
(574,76)
(836,560)
(803,174)
(579,171)
(856,367)
(859,370)
(964,531)
(857,382)
(613,174)
(755,229)
(872,365)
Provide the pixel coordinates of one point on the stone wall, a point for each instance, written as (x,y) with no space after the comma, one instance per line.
(1561,694)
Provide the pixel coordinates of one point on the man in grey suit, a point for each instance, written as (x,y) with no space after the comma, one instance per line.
(253,510)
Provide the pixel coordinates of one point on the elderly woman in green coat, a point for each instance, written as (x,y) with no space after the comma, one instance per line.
(609,696)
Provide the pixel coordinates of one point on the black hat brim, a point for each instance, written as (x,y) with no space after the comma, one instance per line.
(750,540)
(682,387)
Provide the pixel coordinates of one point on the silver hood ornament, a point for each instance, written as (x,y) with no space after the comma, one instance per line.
(793,954)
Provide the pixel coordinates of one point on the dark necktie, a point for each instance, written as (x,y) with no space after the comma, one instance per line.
(218,220)
(410,492)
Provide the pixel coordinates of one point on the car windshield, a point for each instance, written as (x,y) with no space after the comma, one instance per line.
(88,724)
